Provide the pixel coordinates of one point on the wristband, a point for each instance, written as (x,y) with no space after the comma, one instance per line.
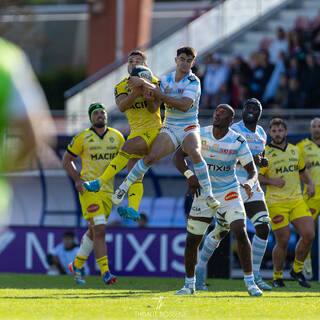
(250,183)
(188,173)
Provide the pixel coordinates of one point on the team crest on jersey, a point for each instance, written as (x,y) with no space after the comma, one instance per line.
(293,152)
(231,196)
(180,90)
(111,139)
(215,147)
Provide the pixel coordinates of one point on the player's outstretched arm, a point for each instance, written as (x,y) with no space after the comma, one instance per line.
(68,165)
(182,104)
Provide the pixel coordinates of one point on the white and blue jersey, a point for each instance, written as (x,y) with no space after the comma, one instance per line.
(188,87)
(256,142)
(222,156)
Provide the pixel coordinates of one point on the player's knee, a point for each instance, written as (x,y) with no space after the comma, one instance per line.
(197,227)
(262,231)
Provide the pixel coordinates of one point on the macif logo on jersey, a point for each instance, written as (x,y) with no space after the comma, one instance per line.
(231,196)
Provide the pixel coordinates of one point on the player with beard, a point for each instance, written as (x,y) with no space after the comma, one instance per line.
(256,208)
(310,150)
(285,201)
(96,146)
(221,148)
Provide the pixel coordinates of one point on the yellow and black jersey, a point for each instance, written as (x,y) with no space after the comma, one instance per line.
(287,162)
(138,115)
(96,153)
(311,153)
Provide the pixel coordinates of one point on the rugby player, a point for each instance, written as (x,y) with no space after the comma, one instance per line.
(221,148)
(97,147)
(310,150)
(285,201)
(180,91)
(256,208)
(143,114)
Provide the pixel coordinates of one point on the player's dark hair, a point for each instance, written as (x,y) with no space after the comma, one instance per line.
(189,51)
(277,122)
(138,53)
(228,108)
(68,234)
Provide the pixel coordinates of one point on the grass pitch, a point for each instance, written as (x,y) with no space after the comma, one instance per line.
(58,297)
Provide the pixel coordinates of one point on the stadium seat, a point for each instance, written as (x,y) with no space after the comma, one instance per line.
(179,219)
(146,206)
(162,213)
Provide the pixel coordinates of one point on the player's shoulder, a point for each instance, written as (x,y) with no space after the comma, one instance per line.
(115,132)
(206,131)
(193,78)
(82,134)
(123,82)
(303,142)
(236,136)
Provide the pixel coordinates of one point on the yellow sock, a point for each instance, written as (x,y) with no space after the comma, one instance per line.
(297,265)
(103,264)
(116,165)
(135,194)
(309,255)
(79,261)
(277,275)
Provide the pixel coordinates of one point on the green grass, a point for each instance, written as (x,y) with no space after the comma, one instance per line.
(57,297)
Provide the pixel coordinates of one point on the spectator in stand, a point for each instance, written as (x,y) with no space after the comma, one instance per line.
(281,97)
(261,74)
(316,21)
(241,67)
(216,74)
(293,68)
(223,95)
(315,44)
(296,43)
(310,82)
(294,97)
(279,45)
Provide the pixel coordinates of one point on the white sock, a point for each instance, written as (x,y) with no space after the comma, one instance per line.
(86,246)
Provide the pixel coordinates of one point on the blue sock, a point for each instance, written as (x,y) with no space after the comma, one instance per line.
(206,252)
(202,173)
(136,172)
(258,249)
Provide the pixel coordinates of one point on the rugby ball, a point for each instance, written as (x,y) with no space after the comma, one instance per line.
(142,72)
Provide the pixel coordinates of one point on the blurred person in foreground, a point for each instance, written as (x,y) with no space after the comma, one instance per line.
(285,202)
(65,252)
(310,150)
(97,146)
(24,113)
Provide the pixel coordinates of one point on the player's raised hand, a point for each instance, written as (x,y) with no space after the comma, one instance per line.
(310,192)
(79,185)
(278,182)
(194,187)
(248,189)
(134,82)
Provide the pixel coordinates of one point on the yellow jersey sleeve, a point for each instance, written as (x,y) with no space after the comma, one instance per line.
(301,163)
(75,147)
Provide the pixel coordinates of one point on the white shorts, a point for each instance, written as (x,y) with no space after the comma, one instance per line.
(231,207)
(178,134)
(258,194)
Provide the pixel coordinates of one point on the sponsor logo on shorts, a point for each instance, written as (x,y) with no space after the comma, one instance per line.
(190,128)
(277,219)
(231,196)
(93,208)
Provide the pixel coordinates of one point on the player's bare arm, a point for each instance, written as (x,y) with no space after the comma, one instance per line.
(68,165)
(306,179)
(180,162)
(124,101)
(277,182)
(182,104)
(251,180)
